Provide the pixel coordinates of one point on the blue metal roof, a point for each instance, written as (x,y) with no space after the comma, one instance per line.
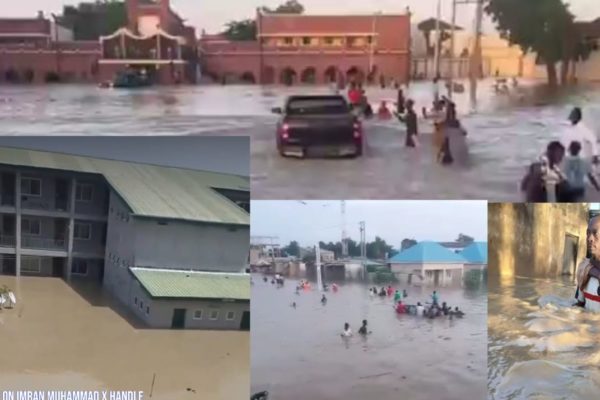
(427,252)
(476,253)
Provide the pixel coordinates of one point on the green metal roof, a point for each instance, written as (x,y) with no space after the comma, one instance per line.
(162,283)
(150,190)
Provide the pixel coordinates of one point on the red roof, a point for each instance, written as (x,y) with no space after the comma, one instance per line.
(24,26)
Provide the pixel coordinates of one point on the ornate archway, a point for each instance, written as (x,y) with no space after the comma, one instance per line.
(309,75)
(288,76)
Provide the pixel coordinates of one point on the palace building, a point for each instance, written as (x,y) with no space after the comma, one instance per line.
(292,49)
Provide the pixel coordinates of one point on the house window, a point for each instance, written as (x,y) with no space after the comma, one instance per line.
(198,314)
(306,41)
(328,41)
(230,315)
(214,315)
(31,264)
(83,192)
(141,305)
(31,187)
(79,267)
(31,226)
(135,301)
(147,310)
(82,231)
(288,41)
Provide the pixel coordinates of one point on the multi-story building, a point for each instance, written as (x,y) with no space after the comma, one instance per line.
(169,243)
(292,48)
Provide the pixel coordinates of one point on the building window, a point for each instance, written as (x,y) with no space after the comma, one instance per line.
(147,310)
(328,41)
(31,226)
(198,314)
(135,301)
(288,41)
(141,305)
(230,315)
(31,264)
(79,267)
(82,231)
(306,41)
(214,315)
(83,192)
(31,187)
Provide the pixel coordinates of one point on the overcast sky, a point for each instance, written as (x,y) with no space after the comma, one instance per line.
(212,14)
(313,221)
(221,154)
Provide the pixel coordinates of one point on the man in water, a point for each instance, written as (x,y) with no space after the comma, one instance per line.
(545,174)
(400,308)
(420,309)
(397,296)
(577,169)
(578,132)
(410,119)
(588,272)
(363,328)
(324,300)
(347,331)
(445,308)
(435,298)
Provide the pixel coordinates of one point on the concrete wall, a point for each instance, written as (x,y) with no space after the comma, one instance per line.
(159,313)
(119,253)
(95,245)
(529,239)
(72,65)
(186,245)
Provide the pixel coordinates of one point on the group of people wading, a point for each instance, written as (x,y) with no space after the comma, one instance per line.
(449,140)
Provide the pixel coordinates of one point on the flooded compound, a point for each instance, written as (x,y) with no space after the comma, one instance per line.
(540,347)
(298,353)
(507,133)
(62,337)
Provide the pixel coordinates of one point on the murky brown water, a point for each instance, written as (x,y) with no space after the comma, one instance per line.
(540,347)
(57,338)
(298,353)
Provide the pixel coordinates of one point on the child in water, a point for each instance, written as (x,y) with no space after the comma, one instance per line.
(347,331)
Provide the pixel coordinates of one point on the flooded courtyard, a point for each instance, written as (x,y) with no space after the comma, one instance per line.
(540,347)
(297,353)
(74,337)
(506,134)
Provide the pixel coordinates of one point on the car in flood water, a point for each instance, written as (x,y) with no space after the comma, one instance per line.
(318,125)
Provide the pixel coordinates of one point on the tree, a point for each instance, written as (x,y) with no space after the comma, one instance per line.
(407,243)
(292,249)
(536,26)
(89,21)
(289,7)
(241,30)
(246,29)
(378,249)
(464,239)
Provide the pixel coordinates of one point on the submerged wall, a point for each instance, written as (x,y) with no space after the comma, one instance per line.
(529,239)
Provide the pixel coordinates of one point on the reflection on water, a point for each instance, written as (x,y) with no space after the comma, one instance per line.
(540,347)
(57,339)
(299,354)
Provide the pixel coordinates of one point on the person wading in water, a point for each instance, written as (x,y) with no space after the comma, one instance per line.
(588,272)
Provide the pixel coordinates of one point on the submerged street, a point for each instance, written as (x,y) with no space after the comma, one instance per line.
(297,353)
(506,134)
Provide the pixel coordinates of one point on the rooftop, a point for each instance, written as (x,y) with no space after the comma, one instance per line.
(178,284)
(149,190)
(476,253)
(427,252)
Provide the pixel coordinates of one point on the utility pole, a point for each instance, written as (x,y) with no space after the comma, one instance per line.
(437,57)
(476,56)
(363,242)
(344,235)
(318,264)
(451,86)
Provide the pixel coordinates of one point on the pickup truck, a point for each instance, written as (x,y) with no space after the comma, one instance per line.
(318,125)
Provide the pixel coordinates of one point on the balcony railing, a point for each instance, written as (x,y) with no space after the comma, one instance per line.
(36,242)
(7,241)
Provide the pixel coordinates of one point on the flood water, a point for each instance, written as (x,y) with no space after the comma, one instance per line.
(299,354)
(541,347)
(58,339)
(506,134)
